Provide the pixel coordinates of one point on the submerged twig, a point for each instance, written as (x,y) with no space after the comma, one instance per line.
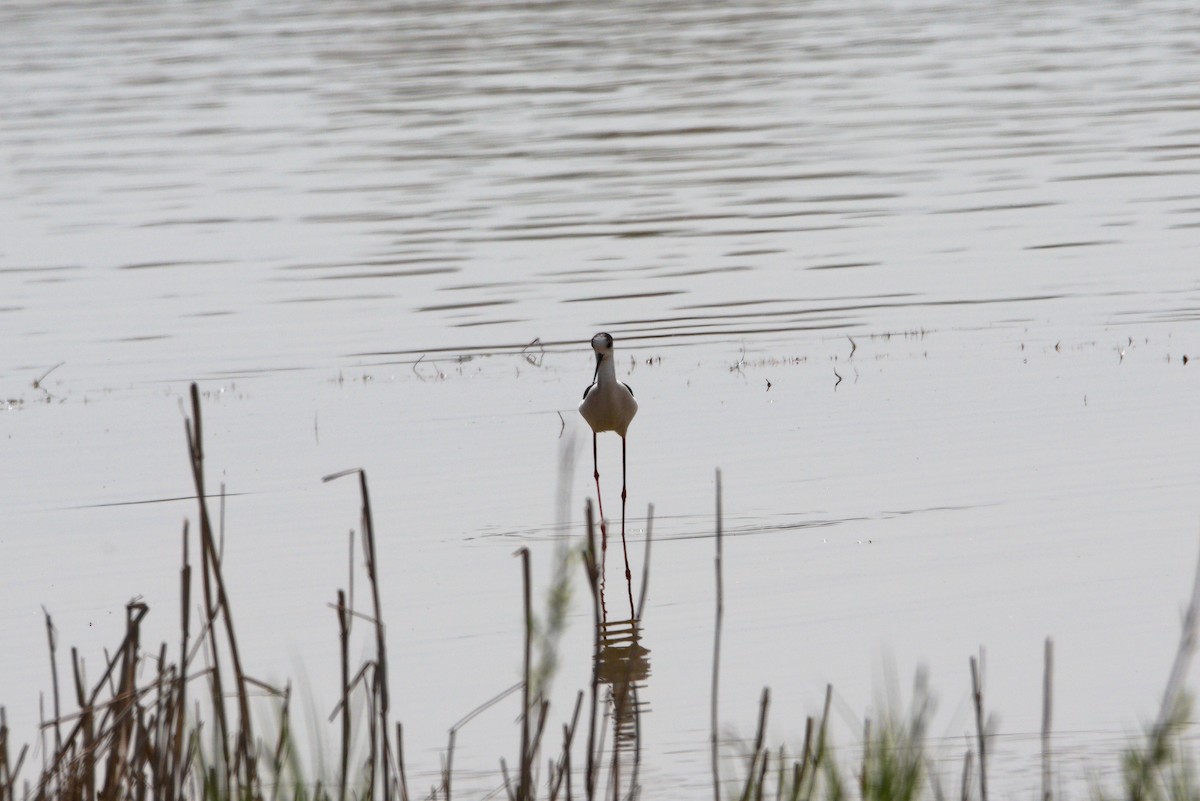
(534,359)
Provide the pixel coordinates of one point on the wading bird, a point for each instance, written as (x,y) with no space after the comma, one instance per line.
(608,405)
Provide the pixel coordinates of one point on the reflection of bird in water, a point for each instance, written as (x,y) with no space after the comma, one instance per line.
(608,405)
(623,662)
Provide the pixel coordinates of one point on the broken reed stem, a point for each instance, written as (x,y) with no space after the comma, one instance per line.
(1047,698)
(52,639)
(381,673)
(801,768)
(84,722)
(977,692)
(716,769)
(245,731)
(758,753)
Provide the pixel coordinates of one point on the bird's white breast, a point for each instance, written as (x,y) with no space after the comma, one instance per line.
(609,407)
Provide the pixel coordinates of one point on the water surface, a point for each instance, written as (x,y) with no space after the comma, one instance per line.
(919,277)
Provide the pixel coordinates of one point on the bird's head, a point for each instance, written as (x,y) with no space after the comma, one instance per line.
(602,343)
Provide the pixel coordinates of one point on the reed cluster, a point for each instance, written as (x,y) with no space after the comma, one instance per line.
(181,727)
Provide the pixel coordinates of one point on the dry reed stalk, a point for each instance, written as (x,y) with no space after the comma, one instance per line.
(8,770)
(52,639)
(343,614)
(800,769)
(716,769)
(122,709)
(758,754)
(448,765)
(523,788)
(156,761)
(212,564)
(1047,699)
(86,723)
(64,759)
(592,569)
(980,726)
(381,672)
(819,751)
(966,775)
(282,742)
(403,779)
(762,776)
(535,744)
(380,751)
(180,702)
(563,769)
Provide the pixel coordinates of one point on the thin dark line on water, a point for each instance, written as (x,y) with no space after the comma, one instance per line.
(153,265)
(49,269)
(151,500)
(416,272)
(1057,245)
(844,266)
(631,296)
(461,306)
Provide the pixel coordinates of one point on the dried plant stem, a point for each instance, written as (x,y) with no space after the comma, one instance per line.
(213,564)
(523,787)
(591,771)
(344,618)
(716,666)
(52,639)
(371,563)
(1047,705)
(980,725)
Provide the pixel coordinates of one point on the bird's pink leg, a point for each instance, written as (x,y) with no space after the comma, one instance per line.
(624,547)
(603,524)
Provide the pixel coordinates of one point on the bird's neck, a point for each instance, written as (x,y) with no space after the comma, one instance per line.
(607,373)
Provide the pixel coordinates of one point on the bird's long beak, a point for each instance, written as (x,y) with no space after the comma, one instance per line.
(599,358)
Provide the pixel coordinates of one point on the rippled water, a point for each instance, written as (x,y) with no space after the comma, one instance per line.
(920,277)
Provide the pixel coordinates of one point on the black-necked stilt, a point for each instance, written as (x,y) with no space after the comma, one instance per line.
(608,405)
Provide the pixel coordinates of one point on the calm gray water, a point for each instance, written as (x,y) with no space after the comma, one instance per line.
(920,278)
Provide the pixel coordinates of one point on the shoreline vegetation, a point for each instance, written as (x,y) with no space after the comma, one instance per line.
(163,727)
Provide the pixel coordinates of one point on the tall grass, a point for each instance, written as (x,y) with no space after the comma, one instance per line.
(192,724)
